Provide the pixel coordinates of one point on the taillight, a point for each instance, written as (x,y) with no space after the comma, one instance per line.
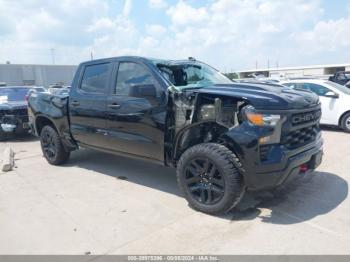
(303,168)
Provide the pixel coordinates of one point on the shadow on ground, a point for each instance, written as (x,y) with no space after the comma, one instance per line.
(309,196)
(18,138)
(332,129)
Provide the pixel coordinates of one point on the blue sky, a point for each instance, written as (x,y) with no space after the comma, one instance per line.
(229,34)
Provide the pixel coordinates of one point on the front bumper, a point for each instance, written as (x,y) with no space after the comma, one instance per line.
(270,175)
(14,124)
(278,165)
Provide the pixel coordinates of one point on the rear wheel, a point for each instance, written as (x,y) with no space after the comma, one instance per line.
(345,123)
(52,147)
(208,176)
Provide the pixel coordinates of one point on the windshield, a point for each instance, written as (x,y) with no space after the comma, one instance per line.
(341,88)
(12,94)
(191,74)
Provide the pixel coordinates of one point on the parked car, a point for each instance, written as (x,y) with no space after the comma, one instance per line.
(342,78)
(335,100)
(13,110)
(259,81)
(223,137)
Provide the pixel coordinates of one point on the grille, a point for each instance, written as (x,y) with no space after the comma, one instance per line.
(16,112)
(301,137)
(264,152)
(306,117)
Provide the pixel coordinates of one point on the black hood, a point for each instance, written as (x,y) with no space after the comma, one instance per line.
(13,105)
(265,97)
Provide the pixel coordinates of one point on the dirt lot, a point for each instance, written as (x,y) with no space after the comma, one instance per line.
(105,204)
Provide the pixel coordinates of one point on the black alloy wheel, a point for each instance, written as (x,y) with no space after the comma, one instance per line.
(204,181)
(52,147)
(48,145)
(209,176)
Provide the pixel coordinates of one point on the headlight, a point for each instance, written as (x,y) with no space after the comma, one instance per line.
(260,119)
(269,120)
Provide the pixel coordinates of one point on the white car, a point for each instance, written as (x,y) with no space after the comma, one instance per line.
(334,98)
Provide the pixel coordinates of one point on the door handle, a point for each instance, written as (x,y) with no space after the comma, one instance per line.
(75,103)
(114,106)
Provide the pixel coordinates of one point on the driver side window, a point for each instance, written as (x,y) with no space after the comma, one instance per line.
(317,89)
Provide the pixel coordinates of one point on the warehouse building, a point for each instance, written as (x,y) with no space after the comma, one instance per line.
(323,71)
(38,75)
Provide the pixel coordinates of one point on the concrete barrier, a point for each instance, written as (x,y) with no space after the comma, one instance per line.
(8,160)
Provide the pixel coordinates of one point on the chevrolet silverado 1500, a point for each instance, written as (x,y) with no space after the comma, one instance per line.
(222,137)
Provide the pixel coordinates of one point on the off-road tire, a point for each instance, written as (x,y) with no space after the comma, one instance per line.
(345,122)
(54,153)
(227,165)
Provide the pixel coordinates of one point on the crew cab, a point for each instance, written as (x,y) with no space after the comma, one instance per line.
(222,137)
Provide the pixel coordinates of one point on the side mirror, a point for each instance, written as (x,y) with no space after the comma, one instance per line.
(331,94)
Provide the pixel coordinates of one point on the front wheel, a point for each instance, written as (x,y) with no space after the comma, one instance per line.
(52,147)
(209,178)
(345,123)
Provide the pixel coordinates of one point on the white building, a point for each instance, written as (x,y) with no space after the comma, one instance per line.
(39,75)
(323,71)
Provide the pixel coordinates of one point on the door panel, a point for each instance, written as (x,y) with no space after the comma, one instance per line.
(136,113)
(329,110)
(329,105)
(88,106)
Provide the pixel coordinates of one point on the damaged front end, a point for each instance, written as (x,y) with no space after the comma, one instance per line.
(269,145)
(200,118)
(14,121)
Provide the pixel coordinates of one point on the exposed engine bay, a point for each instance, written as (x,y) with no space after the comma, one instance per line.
(202,118)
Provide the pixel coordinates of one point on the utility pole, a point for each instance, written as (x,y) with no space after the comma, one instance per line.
(91,56)
(268,63)
(53,55)
(256,64)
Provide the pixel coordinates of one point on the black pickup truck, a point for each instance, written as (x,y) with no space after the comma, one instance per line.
(223,137)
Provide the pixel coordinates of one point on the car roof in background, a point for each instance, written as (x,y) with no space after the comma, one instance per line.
(310,80)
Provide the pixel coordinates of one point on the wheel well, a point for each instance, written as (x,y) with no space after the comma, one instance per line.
(42,121)
(341,117)
(196,134)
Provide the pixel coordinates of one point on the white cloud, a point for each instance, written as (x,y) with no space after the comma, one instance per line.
(228,34)
(155,29)
(182,14)
(127,7)
(327,36)
(157,4)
